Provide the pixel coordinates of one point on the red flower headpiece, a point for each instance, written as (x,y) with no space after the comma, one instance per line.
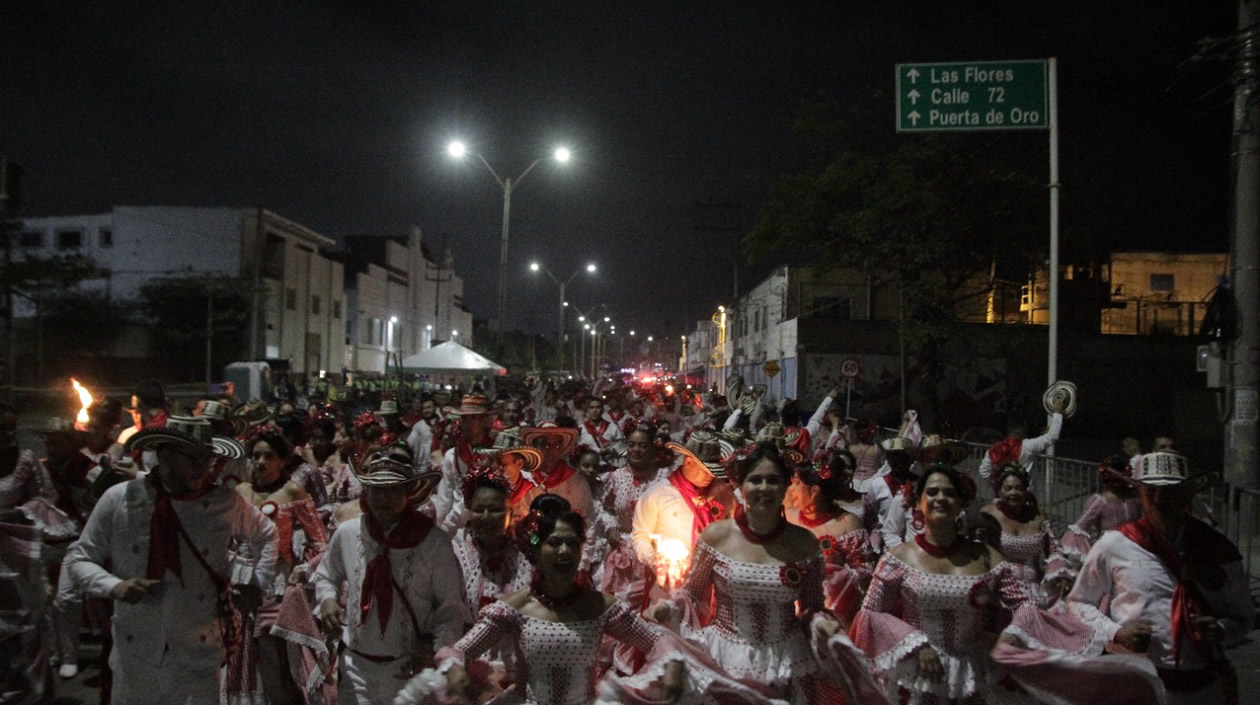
(790,575)
(485,474)
(253,433)
(824,472)
(365,420)
(525,534)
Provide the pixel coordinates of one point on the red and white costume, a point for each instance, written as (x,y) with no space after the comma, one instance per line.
(597,435)
(622,492)
(1100,515)
(1040,561)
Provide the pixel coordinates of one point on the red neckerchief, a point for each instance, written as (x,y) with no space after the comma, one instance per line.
(616,416)
(815,521)
(378,579)
(1206,549)
(496,425)
(1005,451)
(158,420)
(896,486)
(465,452)
(558,475)
(519,490)
(703,511)
(597,431)
(164,527)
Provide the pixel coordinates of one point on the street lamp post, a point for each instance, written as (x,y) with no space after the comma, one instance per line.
(535,267)
(458,149)
(595,345)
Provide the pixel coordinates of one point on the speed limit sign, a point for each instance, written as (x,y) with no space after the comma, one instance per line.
(849,368)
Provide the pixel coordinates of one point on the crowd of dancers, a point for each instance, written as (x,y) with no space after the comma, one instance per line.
(565,544)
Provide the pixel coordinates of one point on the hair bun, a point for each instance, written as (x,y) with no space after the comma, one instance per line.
(550,505)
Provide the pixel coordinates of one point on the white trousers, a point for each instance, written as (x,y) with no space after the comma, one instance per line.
(365,682)
(175,682)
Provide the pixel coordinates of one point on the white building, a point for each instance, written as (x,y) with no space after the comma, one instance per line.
(299,311)
(401,299)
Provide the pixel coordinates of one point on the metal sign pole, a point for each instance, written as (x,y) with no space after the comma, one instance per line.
(1052,363)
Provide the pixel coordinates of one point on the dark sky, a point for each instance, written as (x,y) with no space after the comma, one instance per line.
(336,114)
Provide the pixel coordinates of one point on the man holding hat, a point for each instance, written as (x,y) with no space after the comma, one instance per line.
(1169,586)
(166,540)
(895,525)
(887,488)
(404,599)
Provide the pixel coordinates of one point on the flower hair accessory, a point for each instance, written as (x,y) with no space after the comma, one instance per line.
(484,474)
(1008,469)
(827,545)
(525,533)
(365,420)
(824,472)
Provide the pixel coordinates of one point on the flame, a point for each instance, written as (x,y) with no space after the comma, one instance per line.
(673,558)
(85,400)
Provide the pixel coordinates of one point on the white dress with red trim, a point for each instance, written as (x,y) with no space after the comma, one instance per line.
(1039,561)
(759,637)
(906,608)
(623,574)
(1099,515)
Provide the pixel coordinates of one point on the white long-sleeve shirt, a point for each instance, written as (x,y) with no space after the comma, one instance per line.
(178,623)
(1136,586)
(428,572)
(1030,448)
(420,440)
(661,510)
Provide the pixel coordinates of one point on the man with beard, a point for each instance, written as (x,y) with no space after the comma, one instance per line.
(474,433)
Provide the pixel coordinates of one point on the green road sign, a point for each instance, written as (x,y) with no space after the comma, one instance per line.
(976,95)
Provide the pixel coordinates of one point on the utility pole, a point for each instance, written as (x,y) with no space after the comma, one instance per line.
(1243,354)
(735,230)
(10,202)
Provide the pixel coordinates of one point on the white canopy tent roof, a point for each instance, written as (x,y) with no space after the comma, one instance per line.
(451,358)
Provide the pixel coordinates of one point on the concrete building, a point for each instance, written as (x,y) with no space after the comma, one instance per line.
(299,309)
(401,299)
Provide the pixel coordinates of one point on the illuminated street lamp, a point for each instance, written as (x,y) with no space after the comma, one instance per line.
(458,150)
(535,267)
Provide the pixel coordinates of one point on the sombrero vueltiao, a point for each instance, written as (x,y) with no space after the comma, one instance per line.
(551,433)
(187,431)
(708,449)
(531,458)
(394,467)
(1062,392)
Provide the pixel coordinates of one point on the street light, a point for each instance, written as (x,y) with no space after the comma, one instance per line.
(458,150)
(535,267)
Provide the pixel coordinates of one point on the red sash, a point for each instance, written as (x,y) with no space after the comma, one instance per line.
(704,510)
(1205,551)
(378,579)
(164,528)
(897,487)
(521,489)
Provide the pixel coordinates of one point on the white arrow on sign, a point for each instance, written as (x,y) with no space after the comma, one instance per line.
(913,95)
(913,74)
(914,117)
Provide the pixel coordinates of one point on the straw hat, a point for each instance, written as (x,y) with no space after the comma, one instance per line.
(389,407)
(189,432)
(254,412)
(473,405)
(531,458)
(898,444)
(936,449)
(1061,392)
(1165,469)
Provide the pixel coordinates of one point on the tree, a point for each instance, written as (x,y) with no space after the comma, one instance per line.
(925,213)
(177,308)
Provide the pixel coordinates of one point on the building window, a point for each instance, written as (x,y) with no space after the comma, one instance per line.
(290,299)
(69,239)
(336,309)
(31,239)
(1162,282)
(105,237)
(315,304)
(273,258)
(833,307)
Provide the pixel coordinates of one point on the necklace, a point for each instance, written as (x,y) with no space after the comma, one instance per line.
(938,551)
(741,520)
(550,602)
(813,520)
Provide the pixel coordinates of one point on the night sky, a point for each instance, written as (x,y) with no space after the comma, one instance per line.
(336,114)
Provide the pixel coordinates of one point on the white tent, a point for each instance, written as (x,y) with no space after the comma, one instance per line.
(450,358)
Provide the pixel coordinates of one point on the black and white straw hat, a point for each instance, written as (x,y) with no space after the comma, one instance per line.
(187,431)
